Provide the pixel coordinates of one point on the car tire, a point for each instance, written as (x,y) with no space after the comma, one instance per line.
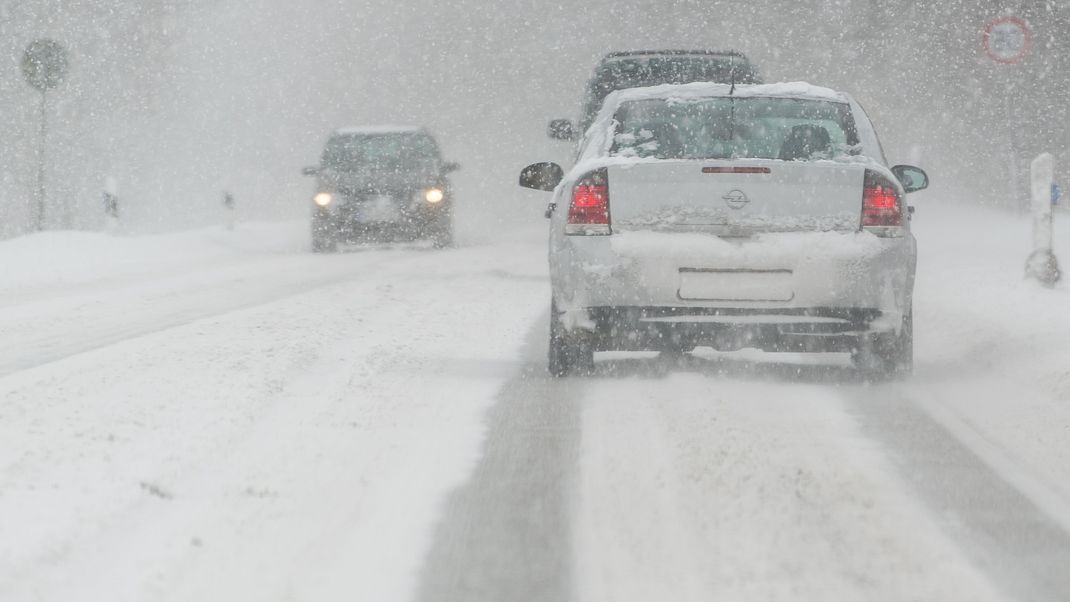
(442,236)
(570,353)
(322,241)
(904,347)
(888,356)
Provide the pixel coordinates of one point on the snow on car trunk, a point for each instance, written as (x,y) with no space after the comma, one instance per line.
(736,198)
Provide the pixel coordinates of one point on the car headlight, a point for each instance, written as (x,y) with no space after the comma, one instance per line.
(323,199)
(434,195)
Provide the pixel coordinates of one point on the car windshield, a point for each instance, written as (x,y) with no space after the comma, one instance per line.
(729,128)
(377,151)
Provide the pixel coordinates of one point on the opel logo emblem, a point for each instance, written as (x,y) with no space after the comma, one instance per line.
(736,199)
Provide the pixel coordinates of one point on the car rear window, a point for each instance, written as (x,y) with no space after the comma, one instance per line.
(726,128)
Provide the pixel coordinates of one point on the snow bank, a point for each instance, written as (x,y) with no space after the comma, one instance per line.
(59,258)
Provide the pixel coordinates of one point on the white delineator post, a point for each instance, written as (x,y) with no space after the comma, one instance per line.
(110,198)
(1042,265)
(229,219)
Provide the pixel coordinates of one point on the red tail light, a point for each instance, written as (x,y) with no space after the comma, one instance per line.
(588,214)
(882,205)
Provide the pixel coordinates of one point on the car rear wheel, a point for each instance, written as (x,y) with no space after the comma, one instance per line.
(890,355)
(570,353)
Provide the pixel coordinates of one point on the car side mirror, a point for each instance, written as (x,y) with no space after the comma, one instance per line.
(450,167)
(310,171)
(912,178)
(561,129)
(542,176)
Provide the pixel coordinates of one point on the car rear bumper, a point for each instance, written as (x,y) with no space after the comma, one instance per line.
(774,274)
(814,329)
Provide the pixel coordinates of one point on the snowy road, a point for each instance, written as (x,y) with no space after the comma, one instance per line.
(208,416)
(735,489)
(249,427)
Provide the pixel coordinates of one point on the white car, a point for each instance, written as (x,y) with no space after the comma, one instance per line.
(704,214)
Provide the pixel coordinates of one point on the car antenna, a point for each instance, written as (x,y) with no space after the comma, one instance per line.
(731,101)
(732,74)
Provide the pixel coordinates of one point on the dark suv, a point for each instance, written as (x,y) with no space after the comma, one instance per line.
(381,183)
(642,68)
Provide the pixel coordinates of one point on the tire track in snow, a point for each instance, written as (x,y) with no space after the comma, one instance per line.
(1012,539)
(738,480)
(506,534)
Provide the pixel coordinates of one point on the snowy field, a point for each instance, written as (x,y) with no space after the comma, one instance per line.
(215,415)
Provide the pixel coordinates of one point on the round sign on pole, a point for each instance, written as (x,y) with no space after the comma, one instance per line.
(1007,39)
(44,64)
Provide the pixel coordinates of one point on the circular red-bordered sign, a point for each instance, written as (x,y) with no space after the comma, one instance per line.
(1007,39)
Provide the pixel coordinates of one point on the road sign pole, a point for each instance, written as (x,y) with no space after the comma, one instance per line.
(42,142)
(1014,186)
(1007,40)
(44,65)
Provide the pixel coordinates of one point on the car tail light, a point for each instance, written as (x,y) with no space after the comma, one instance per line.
(588,214)
(882,204)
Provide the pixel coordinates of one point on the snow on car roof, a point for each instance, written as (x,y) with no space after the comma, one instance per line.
(377,129)
(800,90)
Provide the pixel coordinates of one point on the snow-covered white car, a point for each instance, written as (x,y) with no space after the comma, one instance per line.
(760,216)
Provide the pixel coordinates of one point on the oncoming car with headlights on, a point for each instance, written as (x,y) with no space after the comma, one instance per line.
(381,183)
(760,216)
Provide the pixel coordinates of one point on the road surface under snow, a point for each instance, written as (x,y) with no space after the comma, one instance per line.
(216,415)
